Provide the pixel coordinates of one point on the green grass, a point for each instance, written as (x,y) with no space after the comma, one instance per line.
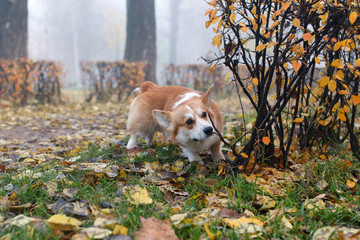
(241,194)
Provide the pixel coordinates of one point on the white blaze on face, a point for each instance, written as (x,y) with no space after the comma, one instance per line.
(185,97)
(197,132)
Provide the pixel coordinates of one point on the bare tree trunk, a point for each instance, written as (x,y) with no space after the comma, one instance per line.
(13,29)
(75,43)
(141,34)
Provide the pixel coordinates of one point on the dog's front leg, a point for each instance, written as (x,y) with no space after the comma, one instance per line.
(193,156)
(216,153)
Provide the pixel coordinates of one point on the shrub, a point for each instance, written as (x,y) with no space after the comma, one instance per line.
(284,45)
(195,76)
(106,79)
(24,79)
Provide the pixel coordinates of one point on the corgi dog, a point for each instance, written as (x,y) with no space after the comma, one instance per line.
(181,114)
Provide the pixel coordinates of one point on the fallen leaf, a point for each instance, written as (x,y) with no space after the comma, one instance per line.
(235,223)
(155,229)
(20,220)
(137,195)
(63,223)
(120,230)
(350,184)
(96,233)
(178,218)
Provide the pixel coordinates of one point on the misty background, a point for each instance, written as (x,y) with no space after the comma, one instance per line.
(89,30)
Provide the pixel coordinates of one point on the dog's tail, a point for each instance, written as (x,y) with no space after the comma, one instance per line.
(144,86)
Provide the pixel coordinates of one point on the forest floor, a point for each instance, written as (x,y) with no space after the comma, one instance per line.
(65,174)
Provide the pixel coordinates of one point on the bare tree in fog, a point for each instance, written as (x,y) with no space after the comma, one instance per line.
(141,34)
(174,22)
(13,29)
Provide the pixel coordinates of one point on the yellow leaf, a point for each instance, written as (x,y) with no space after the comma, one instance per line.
(355,99)
(296,22)
(342,116)
(63,223)
(346,109)
(352,17)
(177,166)
(235,223)
(268,203)
(243,27)
(255,81)
(335,107)
(212,14)
(337,63)
(332,85)
(137,195)
(317,60)
(326,121)
(210,22)
(244,155)
(343,92)
(348,45)
(266,140)
(350,183)
(324,81)
(338,45)
(120,230)
(340,75)
(261,47)
(211,235)
(253,10)
(212,68)
(217,40)
(275,24)
(286,6)
(298,120)
(213,3)
(232,17)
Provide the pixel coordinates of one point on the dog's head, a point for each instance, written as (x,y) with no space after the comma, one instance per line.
(188,121)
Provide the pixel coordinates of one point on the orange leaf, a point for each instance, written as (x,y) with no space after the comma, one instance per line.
(307,36)
(244,155)
(342,116)
(352,17)
(343,92)
(357,62)
(255,81)
(350,183)
(355,99)
(296,65)
(296,22)
(298,120)
(266,140)
(332,85)
(260,47)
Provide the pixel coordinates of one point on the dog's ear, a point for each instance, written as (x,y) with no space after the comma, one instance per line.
(162,117)
(207,96)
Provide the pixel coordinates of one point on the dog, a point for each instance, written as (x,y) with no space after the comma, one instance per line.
(182,114)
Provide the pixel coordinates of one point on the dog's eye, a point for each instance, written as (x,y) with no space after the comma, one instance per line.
(189,122)
(204,114)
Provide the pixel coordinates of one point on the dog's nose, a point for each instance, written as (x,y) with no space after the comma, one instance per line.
(208,131)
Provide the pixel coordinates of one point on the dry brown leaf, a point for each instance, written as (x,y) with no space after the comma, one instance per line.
(155,229)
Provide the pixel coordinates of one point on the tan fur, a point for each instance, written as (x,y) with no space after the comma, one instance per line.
(167,109)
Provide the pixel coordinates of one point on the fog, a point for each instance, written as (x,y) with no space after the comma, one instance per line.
(73,31)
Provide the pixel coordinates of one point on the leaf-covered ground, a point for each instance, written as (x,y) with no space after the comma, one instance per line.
(65,174)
